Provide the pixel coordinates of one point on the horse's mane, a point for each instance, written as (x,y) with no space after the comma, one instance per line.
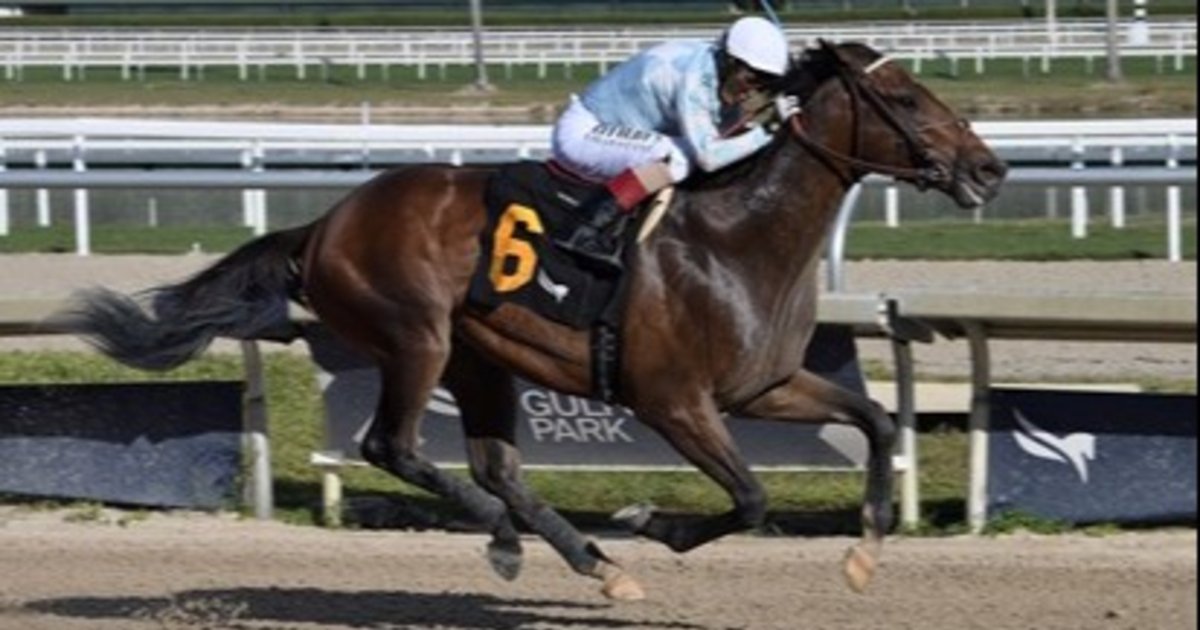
(806,73)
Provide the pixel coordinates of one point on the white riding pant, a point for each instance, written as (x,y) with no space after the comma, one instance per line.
(598,151)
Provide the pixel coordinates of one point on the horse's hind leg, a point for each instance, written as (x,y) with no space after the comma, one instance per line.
(407,379)
(807,397)
(486,397)
(486,400)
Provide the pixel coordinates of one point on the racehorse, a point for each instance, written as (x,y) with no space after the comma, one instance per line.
(721,306)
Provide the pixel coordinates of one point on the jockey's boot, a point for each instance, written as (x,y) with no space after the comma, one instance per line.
(598,239)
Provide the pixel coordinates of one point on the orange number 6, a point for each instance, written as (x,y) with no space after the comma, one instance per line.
(507,245)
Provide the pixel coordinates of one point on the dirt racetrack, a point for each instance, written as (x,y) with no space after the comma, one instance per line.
(204,571)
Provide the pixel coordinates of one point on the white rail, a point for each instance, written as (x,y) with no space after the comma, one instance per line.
(35,152)
(134,134)
(134,50)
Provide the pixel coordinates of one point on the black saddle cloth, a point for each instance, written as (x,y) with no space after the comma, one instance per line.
(530,205)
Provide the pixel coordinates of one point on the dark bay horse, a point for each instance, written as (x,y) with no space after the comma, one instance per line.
(722,305)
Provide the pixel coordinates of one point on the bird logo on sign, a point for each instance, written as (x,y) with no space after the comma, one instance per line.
(1075,449)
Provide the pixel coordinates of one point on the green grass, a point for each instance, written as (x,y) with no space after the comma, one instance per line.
(109,239)
(929,240)
(1013,240)
(1006,88)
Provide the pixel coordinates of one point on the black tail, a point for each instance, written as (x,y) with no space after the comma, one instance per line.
(242,296)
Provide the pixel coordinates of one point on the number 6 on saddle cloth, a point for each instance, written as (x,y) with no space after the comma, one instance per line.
(530,206)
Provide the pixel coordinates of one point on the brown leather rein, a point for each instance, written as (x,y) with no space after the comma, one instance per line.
(928,174)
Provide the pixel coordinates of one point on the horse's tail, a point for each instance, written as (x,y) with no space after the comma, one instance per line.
(242,296)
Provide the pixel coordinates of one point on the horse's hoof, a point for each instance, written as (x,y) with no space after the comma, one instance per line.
(634,517)
(859,568)
(623,588)
(505,560)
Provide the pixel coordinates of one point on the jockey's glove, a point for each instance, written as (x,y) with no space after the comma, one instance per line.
(786,106)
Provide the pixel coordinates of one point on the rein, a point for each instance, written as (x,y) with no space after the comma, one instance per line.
(923,177)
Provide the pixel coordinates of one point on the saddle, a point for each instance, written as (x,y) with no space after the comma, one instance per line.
(529,206)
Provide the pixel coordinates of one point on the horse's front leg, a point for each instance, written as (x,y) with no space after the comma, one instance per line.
(806,397)
(695,429)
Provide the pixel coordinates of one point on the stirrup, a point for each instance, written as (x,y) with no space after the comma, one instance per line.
(594,246)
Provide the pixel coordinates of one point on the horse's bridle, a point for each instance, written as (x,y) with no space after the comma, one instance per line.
(928,174)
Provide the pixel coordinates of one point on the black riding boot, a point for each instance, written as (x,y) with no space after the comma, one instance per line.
(598,240)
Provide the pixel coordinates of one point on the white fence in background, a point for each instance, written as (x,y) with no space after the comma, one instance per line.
(68,153)
(509,141)
(133,51)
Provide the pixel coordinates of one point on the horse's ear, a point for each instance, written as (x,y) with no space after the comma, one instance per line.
(829,50)
(794,62)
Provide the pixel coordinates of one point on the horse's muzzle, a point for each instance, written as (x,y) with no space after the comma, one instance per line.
(976,183)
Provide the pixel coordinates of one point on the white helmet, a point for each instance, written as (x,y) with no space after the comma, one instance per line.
(759,44)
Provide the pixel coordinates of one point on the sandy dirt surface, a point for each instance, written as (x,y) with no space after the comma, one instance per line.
(60,571)
(54,276)
(201,571)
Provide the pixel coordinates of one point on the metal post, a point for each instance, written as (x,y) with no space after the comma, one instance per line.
(835,255)
(892,206)
(259,492)
(364,119)
(906,414)
(331,497)
(1113,43)
(1079,200)
(42,194)
(481,78)
(981,409)
(1052,23)
(247,194)
(254,201)
(1116,194)
(83,227)
(5,226)
(1174,207)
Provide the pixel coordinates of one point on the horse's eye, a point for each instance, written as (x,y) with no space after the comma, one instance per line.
(907,100)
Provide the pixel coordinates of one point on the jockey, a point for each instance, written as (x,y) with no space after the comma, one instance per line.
(653,119)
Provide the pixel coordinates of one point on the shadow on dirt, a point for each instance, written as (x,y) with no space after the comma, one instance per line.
(246,608)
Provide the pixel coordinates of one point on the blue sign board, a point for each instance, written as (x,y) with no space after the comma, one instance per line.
(559,431)
(155,444)
(1087,457)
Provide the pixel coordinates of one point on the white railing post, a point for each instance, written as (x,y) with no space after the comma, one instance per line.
(1079,200)
(892,206)
(248,194)
(367,133)
(1116,194)
(1174,207)
(83,226)
(256,434)
(42,194)
(5,220)
(301,62)
(242,65)
(254,200)
(259,195)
